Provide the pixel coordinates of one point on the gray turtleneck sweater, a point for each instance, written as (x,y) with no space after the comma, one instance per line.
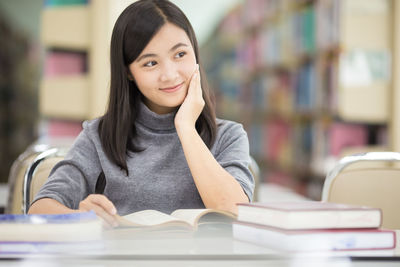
(159,177)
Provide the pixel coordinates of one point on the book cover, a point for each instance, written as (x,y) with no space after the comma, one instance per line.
(310,215)
(314,240)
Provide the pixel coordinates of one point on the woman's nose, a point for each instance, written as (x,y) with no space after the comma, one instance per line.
(168,72)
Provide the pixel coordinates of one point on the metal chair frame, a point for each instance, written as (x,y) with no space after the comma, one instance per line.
(33,149)
(348,160)
(31,170)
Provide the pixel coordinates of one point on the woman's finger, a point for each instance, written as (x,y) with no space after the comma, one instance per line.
(105,203)
(198,83)
(103,208)
(192,85)
(109,219)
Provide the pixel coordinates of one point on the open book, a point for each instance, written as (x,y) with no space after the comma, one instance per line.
(181,218)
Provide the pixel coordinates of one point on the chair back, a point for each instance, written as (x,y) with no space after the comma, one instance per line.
(16,177)
(38,172)
(369,179)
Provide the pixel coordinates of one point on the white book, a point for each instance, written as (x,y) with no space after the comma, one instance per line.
(314,240)
(309,215)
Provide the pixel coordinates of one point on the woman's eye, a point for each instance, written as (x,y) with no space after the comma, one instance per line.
(180,54)
(150,64)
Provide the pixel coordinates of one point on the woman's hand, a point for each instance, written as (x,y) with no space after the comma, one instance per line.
(102,206)
(193,104)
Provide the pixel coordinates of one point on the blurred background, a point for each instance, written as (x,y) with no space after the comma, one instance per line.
(310,80)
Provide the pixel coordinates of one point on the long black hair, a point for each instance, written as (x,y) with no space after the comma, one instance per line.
(133,30)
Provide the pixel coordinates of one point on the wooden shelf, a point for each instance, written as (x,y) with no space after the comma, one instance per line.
(296,87)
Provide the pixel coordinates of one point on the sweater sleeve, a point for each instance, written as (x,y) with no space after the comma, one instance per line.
(232,153)
(73,179)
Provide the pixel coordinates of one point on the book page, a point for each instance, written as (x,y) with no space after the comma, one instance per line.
(148,218)
(192,216)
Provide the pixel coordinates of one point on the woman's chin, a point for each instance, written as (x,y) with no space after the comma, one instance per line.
(175,104)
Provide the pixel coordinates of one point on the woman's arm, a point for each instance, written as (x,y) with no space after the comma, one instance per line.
(100,204)
(218,188)
(68,188)
(49,206)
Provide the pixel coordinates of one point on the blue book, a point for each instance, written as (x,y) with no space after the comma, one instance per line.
(30,247)
(58,228)
(58,3)
(47,218)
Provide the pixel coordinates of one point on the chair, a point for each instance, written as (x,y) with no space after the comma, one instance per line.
(38,172)
(255,171)
(369,179)
(16,177)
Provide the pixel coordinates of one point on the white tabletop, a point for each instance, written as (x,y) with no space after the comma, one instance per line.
(213,246)
(124,247)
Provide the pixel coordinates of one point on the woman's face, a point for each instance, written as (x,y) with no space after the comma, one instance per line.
(163,70)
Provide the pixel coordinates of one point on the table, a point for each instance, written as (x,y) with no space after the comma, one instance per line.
(207,247)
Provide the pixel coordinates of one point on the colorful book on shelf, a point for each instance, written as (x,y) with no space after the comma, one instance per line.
(309,215)
(58,3)
(59,63)
(37,233)
(343,135)
(255,140)
(314,239)
(189,219)
(277,177)
(305,87)
(63,128)
(277,138)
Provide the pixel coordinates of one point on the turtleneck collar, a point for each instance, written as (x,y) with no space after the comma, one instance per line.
(153,120)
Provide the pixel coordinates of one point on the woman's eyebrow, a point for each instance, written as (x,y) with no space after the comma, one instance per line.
(154,55)
(145,56)
(177,46)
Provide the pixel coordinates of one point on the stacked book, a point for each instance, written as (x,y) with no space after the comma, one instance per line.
(50,233)
(312,226)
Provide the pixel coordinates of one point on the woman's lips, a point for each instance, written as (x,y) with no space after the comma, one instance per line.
(172,89)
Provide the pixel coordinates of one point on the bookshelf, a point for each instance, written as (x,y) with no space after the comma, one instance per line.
(395,108)
(65,34)
(75,35)
(306,81)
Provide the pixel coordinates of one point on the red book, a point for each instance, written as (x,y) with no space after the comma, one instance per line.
(314,240)
(344,135)
(309,215)
(64,63)
(61,128)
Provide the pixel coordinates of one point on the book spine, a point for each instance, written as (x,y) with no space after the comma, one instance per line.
(314,240)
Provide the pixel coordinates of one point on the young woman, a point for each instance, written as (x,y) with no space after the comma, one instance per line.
(159,145)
